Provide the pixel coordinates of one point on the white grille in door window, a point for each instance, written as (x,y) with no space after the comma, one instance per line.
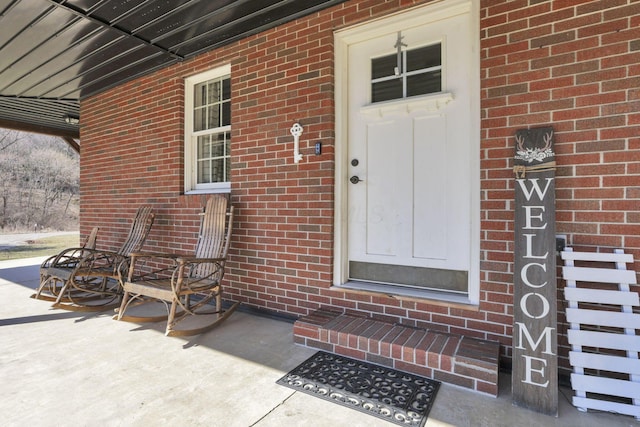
(415,72)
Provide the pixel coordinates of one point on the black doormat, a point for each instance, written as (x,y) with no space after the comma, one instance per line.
(401,398)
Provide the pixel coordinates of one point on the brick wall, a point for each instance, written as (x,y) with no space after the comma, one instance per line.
(574,65)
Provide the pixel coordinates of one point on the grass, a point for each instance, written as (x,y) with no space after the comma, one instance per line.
(41,247)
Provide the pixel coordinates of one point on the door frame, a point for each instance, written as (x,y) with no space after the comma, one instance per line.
(414,16)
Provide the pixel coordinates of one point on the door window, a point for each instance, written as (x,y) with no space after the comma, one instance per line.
(408,73)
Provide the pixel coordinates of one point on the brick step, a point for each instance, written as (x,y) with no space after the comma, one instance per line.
(455,359)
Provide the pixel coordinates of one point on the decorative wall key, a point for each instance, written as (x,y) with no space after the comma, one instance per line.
(296,131)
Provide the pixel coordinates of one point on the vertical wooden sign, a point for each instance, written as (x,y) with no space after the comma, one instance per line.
(535,350)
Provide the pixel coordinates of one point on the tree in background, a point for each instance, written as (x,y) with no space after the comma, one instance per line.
(39,182)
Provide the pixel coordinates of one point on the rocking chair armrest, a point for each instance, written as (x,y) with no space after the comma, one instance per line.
(94,253)
(137,256)
(182,281)
(66,255)
(195,260)
(137,259)
(154,255)
(49,261)
(94,257)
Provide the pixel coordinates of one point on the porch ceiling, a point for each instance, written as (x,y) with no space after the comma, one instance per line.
(55,52)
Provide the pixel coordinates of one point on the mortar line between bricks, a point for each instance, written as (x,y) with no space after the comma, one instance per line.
(475,367)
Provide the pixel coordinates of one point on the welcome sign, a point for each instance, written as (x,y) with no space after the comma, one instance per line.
(535,355)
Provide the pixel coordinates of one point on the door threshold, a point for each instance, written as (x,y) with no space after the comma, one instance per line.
(431,296)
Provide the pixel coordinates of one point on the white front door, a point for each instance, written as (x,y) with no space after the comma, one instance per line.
(409,156)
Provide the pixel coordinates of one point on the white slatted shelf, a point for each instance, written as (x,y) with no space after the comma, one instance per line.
(603,385)
(603,318)
(605,362)
(569,255)
(605,405)
(597,296)
(598,275)
(607,308)
(614,341)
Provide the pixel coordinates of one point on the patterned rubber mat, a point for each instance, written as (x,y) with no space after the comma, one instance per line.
(399,397)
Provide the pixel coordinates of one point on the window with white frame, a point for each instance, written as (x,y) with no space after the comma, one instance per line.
(208,131)
(408,73)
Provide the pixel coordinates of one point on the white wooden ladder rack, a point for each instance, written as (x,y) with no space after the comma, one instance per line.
(602,329)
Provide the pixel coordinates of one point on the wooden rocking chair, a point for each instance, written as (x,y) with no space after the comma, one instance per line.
(50,286)
(189,285)
(91,282)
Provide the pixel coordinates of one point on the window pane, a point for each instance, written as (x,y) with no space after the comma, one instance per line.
(204,172)
(214,159)
(204,147)
(386,90)
(214,116)
(227,147)
(199,119)
(217,170)
(424,57)
(199,94)
(214,92)
(384,67)
(421,84)
(226,89)
(226,114)
(217,145)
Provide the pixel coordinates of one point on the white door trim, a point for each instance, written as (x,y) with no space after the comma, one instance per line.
(397,22)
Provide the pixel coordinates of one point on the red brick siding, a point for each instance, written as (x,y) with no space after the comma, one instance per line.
(573,65)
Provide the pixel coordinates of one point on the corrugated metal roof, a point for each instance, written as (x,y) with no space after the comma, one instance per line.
(54,52)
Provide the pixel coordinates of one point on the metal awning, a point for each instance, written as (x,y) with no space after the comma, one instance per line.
(55,52)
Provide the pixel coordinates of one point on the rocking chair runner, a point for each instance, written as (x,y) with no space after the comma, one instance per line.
(191,283)
(50,286)
(91,282)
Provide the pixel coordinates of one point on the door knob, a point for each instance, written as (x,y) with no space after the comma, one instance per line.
(355,179)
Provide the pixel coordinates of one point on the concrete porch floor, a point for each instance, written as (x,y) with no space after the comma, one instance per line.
(60,368)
